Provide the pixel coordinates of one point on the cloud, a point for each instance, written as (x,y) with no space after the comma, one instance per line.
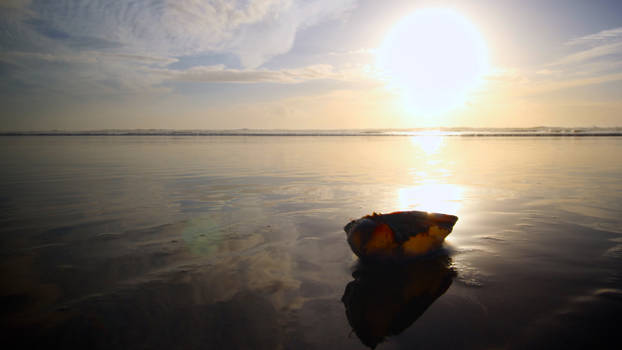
(87,73)
(253,30)
(14,3)
(593,53)
(337,109)
(220,74)
(352,52)
(84,46)
(597,38)
(589,60)
(548,86)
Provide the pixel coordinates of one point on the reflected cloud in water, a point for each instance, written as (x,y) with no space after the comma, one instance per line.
(385,300)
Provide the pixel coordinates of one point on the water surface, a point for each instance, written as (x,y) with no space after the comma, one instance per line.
(237,241)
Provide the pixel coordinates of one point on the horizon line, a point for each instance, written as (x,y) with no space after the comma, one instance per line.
(432,128)
(431,131)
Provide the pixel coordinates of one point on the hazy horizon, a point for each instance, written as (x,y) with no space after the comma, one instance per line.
(422,131)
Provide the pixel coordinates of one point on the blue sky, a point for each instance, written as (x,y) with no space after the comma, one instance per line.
(187,64)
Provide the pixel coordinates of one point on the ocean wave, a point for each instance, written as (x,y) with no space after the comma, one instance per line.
(468,132)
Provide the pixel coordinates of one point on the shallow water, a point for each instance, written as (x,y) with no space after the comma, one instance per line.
(237,242)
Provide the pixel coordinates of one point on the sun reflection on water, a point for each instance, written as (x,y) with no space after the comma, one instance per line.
(431,197)
(429,144)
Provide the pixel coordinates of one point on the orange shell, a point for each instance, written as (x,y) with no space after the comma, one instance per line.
(398,235)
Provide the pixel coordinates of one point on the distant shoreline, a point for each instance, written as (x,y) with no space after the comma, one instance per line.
(463,132)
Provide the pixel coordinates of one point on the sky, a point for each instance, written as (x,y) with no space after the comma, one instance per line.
(309,64)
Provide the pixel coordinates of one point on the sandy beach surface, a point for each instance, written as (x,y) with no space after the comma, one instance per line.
(237,242)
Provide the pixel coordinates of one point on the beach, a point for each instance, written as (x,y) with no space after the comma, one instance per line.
(237,241)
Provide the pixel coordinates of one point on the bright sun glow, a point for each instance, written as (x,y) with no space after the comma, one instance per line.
(433,57)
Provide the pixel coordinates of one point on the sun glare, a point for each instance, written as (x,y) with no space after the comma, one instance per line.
(432,197)
(433,58)
(429,144)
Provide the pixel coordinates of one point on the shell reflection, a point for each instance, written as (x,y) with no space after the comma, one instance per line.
(384,300)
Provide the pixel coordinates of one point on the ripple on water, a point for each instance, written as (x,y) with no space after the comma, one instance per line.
(492,238)
(468,275)
(610,293)
(614,252)
(589,321)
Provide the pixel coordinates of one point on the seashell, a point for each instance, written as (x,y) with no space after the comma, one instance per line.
(398,235)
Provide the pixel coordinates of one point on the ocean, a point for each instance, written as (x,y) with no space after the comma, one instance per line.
(234,239)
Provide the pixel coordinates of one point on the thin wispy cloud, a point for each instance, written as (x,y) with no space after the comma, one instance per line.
(221,74)
(589,60)
(597,38)
(592,54)
(610,51)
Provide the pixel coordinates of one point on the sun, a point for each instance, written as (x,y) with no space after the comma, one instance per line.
(433,57)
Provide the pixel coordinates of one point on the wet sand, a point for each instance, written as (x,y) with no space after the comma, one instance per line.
(237,242)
